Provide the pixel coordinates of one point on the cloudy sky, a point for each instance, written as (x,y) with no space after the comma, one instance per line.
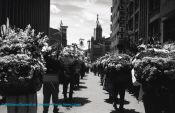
(80,17)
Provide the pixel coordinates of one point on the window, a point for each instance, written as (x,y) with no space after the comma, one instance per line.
(136,4)
(154,5)
(136,20)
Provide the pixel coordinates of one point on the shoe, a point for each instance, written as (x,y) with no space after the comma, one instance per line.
(121,109)
(70,96)
(45,111)
(56,110)
(65,96)
(115,106)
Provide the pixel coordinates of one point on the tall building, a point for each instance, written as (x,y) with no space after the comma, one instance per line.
(54,36)
(151,20)
(58,35)
(107,42)
(98,30)
(63,30)
(24,12)
(137,21)
(161,20)
(147,21)
(118,27)
(97,42)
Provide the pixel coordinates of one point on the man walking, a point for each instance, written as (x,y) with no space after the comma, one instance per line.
(51,83)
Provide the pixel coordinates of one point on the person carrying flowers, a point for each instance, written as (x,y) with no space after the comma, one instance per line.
(51,81)
(21,68)
(68,75)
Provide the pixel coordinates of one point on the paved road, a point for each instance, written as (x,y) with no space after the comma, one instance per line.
(92,99)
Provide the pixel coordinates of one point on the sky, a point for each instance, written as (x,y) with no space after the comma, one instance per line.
(80,16)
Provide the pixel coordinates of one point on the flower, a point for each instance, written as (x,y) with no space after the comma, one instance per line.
(21,56)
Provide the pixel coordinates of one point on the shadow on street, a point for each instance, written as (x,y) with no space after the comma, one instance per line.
(78,101)
(124,111)
(82,82)
(110,102)
(80,87)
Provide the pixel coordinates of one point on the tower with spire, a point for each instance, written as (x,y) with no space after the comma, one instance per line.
(97,42)
(98,30)
(63,30)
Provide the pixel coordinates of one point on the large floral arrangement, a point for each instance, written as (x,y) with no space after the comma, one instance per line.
(116,61)
(72,50)
(118,66)
(71,53)
(21,60)
(155,68)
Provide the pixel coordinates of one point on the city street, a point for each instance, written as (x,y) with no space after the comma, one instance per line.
(48,46)
(92,99)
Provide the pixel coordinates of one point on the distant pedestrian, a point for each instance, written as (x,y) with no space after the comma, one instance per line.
(83,69)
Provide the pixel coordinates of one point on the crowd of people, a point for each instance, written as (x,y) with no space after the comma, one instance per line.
(28,62)
(148,75)
(68,70)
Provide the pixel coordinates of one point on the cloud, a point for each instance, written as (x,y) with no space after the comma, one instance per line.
(91,1)
(80,17)
(89,16)
(54,9)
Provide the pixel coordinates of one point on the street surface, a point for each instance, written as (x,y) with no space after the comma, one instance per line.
(91,99)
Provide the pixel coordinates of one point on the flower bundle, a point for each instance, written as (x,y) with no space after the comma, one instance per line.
(155,67)
(115,62)
(17,41)
(71,51)
(21,58)
(16,68)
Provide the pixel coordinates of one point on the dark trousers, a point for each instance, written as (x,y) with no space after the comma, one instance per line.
(50,89)
(65,87)
(82,74)
(119,89)
(77,79)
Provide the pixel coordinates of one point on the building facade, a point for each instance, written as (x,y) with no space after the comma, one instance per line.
(161,20)
(137,21)
(64,35)
(24,12)
(58,35)
(147,21)
(107,42)
(118,27)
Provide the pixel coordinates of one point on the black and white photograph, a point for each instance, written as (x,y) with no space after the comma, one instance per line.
(87,56)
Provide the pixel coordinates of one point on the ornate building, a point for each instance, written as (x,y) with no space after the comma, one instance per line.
(97,42)
(63,30)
